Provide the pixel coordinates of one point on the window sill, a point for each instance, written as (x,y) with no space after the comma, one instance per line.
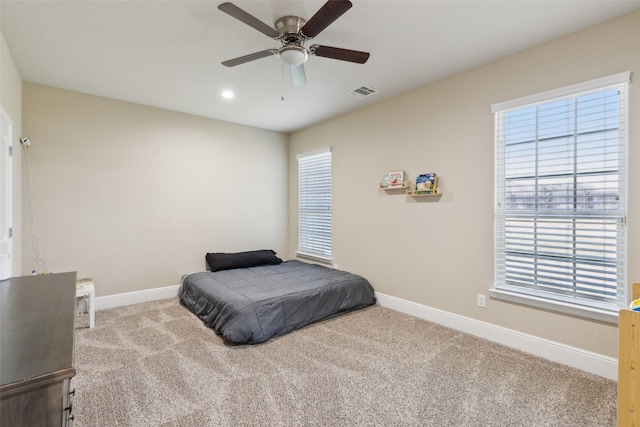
(315,258)
(600,315)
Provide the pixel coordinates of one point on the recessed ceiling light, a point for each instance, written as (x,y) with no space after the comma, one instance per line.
(227,94)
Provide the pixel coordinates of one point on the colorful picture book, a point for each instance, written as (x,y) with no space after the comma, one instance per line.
(426,183)
(396,179)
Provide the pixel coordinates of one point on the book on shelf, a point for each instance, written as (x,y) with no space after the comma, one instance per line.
(426,183)
(396,179)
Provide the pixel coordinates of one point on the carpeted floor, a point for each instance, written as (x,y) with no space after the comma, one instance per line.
(156,364)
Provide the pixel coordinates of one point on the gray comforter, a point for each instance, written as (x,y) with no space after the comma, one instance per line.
(252,305)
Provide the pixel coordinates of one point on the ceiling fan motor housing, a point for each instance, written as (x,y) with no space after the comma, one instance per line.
(292,53)
(290,26)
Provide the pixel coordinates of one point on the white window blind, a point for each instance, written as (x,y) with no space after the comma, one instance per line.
(314,205)
(560,189)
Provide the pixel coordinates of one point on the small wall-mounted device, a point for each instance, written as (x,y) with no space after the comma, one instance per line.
(26,142)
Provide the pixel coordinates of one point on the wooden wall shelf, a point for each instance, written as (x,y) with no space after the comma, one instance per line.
(399,187)
(414,193)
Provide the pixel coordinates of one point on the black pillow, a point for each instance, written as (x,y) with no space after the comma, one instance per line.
(227,261)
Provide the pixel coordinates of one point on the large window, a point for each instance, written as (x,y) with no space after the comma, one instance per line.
(560,198)
(314,205)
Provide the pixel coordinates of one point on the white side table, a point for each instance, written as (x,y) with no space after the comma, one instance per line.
(88,290)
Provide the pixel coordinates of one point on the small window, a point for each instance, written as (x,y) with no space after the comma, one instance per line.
(314,205)
(560,196)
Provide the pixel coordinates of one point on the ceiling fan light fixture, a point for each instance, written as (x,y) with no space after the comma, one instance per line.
(293,55)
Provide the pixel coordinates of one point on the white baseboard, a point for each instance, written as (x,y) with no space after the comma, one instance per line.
(588,361)
(136,297)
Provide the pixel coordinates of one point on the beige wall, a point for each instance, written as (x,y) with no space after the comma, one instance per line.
(11,102)
(440,252)
(135,196)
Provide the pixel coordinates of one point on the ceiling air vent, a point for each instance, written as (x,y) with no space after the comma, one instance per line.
(362,91)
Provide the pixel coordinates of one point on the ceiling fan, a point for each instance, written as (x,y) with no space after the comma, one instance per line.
(293,32)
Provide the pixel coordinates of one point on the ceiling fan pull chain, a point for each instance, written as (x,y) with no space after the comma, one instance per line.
(281,81)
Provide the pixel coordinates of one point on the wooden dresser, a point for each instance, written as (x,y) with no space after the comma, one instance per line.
(629,365)
(37,315)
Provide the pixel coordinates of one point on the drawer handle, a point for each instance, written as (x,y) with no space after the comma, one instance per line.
(72,392)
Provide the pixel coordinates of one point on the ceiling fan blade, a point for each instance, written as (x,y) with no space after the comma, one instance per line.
(341,54)
(242,16)
(250,57)
(332,10)
(298,77)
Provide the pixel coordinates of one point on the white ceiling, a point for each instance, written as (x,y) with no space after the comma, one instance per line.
(167,54)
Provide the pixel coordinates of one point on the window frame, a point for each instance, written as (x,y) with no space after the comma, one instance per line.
(315,224)
(603,312)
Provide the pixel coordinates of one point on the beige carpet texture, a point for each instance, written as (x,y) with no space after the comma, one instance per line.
(156,364)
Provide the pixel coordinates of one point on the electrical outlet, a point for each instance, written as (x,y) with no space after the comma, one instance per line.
(482,301)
